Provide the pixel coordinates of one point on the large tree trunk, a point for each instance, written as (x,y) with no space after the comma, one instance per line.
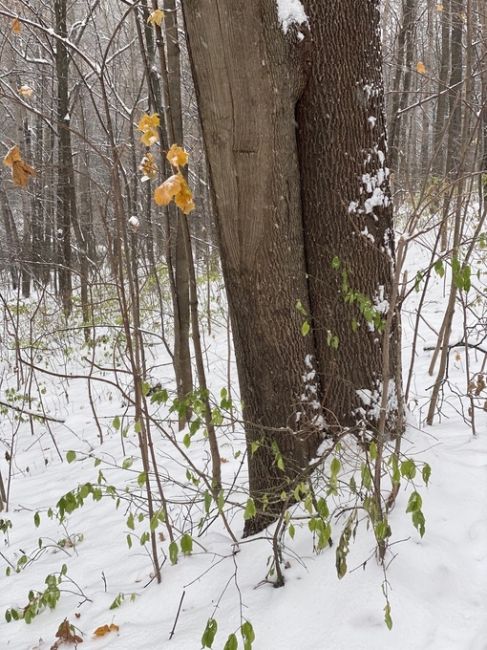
(247,93)
(249,76)
(347,213)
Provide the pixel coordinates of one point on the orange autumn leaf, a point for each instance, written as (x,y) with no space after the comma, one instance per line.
(184,199)
(147,122)
(420,67)
(105,629)
(148,167)
(21,171)
(13,155)
(16,26)
(156,17)
(177,156)
(164,194)
(148,125)
(177,188)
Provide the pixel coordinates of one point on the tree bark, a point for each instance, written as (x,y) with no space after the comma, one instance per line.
(347,212)
(247,93)
(282,218)
(64,160)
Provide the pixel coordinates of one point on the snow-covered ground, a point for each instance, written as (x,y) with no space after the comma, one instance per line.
(437,584)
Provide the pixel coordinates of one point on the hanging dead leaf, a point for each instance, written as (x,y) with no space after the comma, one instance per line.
(184,199)
(439,6)
(16,26)
(147,122)
(21,171)
(148,167)
(105,629)
(149,125)
(420,67)
(156,17)
(25,91)
(164,194)
(175,187)
(177,156)
(13,155)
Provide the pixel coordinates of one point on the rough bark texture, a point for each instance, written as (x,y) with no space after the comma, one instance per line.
(247,92)
(347,213)
(281,226)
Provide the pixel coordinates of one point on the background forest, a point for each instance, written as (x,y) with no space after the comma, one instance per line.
(219,373)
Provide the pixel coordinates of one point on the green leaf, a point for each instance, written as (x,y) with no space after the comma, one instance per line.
(144,538)
(207,500)
(373,450)
(248,635)
(292,531)
(335,467)
(116,423)
(396,474)
(117,601)
(71,456)
(187,440)
(300,308)
(254,446)
(37,520)
(127,462)
(250,509)
(382,530)
(130,521)
(138,426)
(408,469)
(426,472)
(154,522)
(173,554)
(129,541)
(141,479)
(419,522)
(335,263)
(387,616)
(159,396)
(439,268)
(186,544)
(322,508)
(232,643)
(467,282)
(209,633)
(415,502)
(305,328)
(220,500)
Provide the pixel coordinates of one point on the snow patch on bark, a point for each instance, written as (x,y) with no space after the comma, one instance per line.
(371,402)
(291,12)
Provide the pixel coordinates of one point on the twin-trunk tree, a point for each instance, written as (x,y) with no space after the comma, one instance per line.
(294,129)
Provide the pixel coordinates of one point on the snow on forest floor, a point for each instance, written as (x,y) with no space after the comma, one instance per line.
(437,584)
